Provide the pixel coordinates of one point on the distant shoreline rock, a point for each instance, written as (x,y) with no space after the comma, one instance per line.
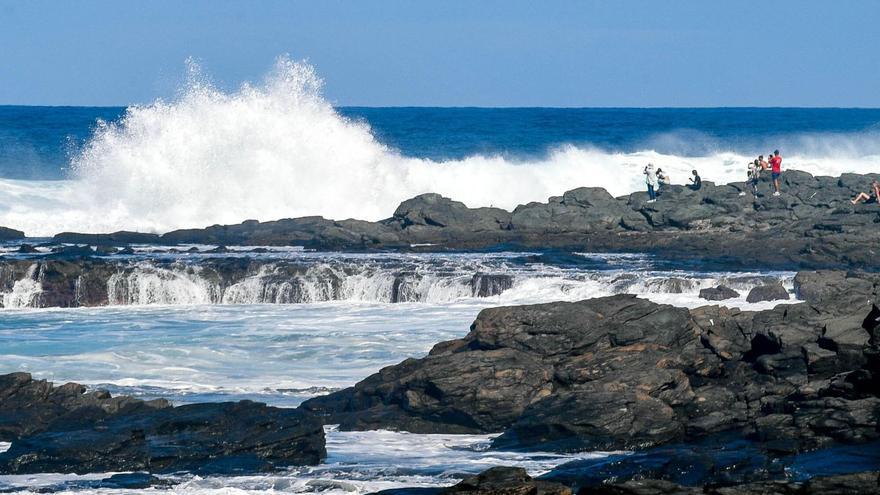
(811,225)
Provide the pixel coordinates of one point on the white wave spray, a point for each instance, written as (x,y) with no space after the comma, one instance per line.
(279,150)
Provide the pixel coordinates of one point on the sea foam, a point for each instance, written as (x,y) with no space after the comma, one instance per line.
(279,149)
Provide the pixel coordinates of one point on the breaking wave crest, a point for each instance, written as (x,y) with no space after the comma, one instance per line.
(279,149)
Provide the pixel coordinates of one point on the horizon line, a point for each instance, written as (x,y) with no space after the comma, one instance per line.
(514,107)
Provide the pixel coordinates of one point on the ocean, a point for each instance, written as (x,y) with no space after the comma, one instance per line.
(280,149)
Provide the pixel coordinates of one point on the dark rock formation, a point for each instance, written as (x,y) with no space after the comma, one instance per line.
(7,234)
(66,429)
(515,481)
(116,238)
(29,406)
(811,225)
(844,484)
(719,293)
(769,292)
(506,480)
(621,373)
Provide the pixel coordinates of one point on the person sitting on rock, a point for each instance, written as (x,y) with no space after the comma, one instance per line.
(776,170)
(763,163)
(696,181)
(651,182)
(862,196)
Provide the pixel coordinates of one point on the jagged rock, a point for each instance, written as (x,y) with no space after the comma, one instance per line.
(812,223)
(64,429)
(507,481)
(774,292)
(620,373)
(434,210)
(719,293)
(29,406)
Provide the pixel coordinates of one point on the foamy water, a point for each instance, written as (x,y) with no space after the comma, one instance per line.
(279,149)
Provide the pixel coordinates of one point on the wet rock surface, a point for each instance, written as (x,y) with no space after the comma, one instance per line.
(811,225)
(67,429)
(624,373)
(515,481)
(769,292)
(719,293)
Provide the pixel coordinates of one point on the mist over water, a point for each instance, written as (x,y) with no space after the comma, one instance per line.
(279,149)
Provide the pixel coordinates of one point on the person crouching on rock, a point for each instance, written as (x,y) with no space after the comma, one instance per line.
(651,182)
(696,181)
(662,180)
(875,188)
(776,170)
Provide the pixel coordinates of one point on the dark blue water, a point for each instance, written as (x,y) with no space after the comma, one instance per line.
(36,142)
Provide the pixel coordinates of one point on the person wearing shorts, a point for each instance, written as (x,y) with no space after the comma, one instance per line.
(776,170)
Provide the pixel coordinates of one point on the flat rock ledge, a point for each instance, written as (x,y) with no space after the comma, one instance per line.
(68,429)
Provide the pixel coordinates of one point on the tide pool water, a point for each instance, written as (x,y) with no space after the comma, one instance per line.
(163,341)
(172,333)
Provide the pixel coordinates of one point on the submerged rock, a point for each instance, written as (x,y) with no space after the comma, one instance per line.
(66,429)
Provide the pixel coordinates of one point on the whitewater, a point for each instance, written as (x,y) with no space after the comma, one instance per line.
(279,149)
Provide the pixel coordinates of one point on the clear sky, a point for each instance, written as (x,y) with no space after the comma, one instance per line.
(453,53)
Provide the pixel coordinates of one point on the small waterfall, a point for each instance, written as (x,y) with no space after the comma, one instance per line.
(429,280)
(25,291)
(149,284)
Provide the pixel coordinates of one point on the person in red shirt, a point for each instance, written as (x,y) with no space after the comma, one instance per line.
(776,170)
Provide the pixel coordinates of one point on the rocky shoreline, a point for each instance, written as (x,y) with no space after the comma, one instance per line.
(812,225)
(515,481)
(622,373)
(69,429)
(712,399)
(709,397)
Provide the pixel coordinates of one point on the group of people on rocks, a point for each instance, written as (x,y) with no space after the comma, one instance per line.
(657,179)
(760,165)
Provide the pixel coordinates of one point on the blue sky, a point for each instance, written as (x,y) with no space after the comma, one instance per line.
(453,53)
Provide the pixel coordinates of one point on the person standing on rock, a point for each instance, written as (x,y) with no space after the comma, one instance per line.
(651,182)
(776,170)
(763,163)
(754,175)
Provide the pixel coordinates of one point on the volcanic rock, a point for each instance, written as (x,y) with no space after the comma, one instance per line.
(719,293)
